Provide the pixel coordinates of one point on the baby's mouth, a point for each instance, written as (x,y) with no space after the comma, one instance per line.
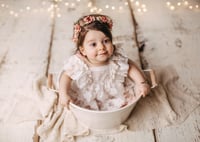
(103,53)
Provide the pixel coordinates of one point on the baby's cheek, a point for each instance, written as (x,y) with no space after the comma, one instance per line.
(92,54)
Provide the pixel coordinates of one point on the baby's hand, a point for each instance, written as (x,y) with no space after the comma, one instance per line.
(142,89)
(64,100)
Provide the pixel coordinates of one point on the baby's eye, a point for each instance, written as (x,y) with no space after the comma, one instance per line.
(93,44)
(106,40)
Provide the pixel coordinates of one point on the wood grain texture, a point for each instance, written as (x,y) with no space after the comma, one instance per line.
(24,44)
(172,38)
(25,52)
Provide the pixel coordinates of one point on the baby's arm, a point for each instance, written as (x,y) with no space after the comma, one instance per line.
(64,87)
(142,87)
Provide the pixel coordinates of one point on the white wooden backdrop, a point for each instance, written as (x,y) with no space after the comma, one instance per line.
(35,38)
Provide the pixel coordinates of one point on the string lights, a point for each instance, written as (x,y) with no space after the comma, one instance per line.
(191,5)
(54,8)
(139,7)
(13,11)
(47,6)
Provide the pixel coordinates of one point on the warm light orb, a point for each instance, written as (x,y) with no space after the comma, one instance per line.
(89,4)
(91,10)
(179,4)
(66,4)
(100,10)
(137,3)
(144,10)
(143,6)
(72,4)
(58,15)
(2,5)
(168,3)
(28,8)
(11,12)
(190,7)
(107,6)
(16,14)
(186,3)
(172,7)
(139,10)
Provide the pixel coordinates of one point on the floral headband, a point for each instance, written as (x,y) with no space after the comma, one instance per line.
(89,19)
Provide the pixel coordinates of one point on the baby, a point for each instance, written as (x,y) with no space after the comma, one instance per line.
(98,76)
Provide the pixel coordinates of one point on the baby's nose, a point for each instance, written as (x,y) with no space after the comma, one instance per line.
(101,46)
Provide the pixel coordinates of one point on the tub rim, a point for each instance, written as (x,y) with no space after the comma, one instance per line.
(103,111)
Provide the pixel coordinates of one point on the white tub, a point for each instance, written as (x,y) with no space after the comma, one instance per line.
(102,119)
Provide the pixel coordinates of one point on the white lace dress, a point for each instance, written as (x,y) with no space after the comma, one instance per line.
(100,88)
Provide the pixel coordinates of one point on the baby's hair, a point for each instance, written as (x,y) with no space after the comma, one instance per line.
(94,22)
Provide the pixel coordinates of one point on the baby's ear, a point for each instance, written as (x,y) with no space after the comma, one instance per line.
(82,50)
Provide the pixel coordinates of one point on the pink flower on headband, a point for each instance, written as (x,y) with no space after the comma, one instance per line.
(104,19)
(77,29)
(87,20)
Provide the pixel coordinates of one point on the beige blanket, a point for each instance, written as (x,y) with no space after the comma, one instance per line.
(169,103)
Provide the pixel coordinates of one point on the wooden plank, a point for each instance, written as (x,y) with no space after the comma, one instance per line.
(156,28)
(189,131)
(62,45)
(127,136)
(123,34)
(172,37)
(25,28)
(21,132)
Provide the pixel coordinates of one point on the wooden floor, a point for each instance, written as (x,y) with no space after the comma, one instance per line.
(35,38)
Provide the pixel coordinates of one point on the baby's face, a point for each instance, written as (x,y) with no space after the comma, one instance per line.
(97,47)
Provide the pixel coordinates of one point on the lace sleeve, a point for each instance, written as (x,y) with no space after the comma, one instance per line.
(73,67)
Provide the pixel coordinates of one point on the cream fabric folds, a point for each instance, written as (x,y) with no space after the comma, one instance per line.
(59,124)
(33,106)
(168,104)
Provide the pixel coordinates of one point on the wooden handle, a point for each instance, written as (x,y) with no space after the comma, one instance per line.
(50,81)
(152,78)
(50,84)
